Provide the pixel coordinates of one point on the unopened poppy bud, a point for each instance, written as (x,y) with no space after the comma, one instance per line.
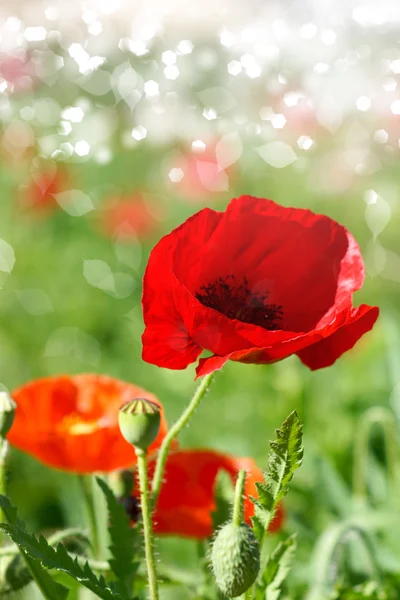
(235,559)
(7,412)
(139,422)
(235,553)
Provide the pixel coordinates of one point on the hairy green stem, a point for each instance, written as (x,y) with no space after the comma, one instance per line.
(174,431)
(386,420)
(86,484)
(147,524)
(3,486)
(238,505)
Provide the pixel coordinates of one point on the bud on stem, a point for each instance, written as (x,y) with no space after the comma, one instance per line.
(139,422)
(235,553)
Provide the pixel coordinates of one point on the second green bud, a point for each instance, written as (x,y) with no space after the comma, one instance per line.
(139,422)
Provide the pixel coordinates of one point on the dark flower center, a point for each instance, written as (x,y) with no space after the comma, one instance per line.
(235,300)
(132,507)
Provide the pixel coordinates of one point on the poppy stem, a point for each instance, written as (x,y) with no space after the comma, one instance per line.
(386,420)
(174,431)
(147,523)
(3,490)
(238,505)
(86,484)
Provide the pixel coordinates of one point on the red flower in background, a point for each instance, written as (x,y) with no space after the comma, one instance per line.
(71,422)
(253,284)
(40,193)
(130,217)
(186,501)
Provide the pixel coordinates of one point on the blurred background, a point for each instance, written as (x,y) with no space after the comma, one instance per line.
(120,119)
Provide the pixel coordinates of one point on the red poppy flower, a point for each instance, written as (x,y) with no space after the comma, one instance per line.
(253,284)
(71,422)
(129,217)
(40,193)
(186,501)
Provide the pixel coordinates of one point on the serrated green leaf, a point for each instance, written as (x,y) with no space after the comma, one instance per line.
(39,551)
(278,565)
(125,541)
(286,455)
(49,588)
(223,496)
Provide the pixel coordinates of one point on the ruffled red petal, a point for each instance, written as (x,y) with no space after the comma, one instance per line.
(327,351)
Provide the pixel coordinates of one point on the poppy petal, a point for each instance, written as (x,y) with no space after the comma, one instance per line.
(327,351)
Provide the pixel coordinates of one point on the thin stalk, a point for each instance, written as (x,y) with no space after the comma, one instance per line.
(326,553)
(147,523)
(174,431)
(3,482)
(86,484)
(386,420)
(238,506)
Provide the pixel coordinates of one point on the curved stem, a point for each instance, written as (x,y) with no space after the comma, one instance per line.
(238,505)
(386,419)
(326,551)
(174,431)
(147,524)
(86,484)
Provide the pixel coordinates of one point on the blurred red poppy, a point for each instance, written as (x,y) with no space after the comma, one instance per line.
(130,217)
(71,422)
(40,193)
(253,284)
(186,501)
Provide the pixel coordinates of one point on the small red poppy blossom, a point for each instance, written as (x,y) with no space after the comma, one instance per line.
(129,217)
(40,193)
(187,497)
(253,284)
(71,422)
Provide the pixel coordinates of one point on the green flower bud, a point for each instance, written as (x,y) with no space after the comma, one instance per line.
(7,412)
(139,422)
(235,559)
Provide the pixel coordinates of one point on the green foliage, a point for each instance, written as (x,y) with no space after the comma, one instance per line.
(223,496)
(367,591)
(17,575)
(39,555)
(278,565)
(286,455)
(125,540)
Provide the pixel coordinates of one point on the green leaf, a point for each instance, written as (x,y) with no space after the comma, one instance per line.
(49,588)
(276,570)
(286,455)
(223,495)
(125,541)
(39,552)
